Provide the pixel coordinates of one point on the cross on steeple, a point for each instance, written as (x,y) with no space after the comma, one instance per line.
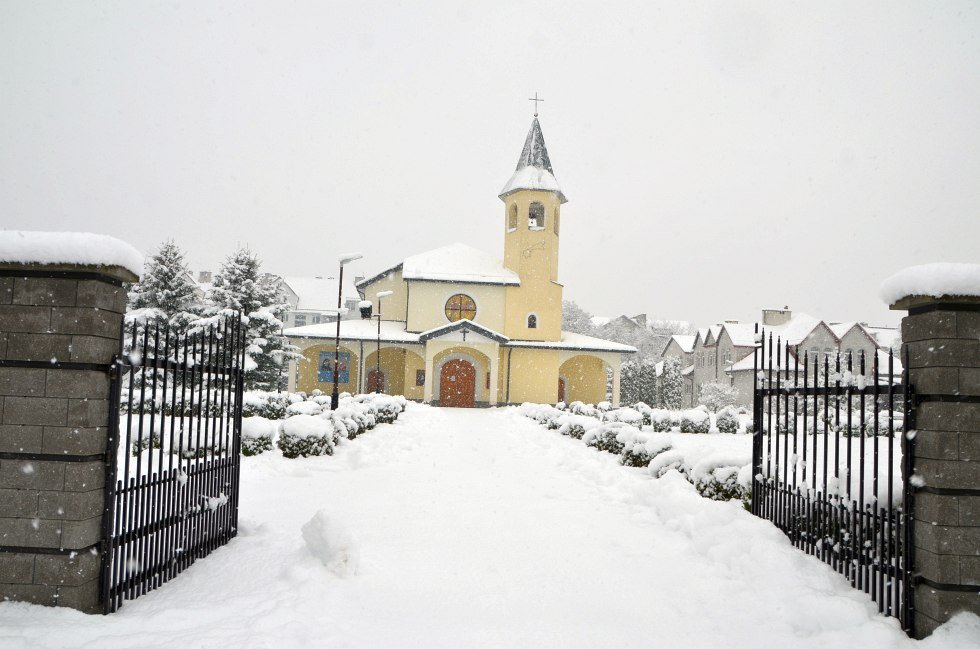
(535,100)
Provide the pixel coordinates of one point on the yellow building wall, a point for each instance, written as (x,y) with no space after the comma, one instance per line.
(394,306)
(533,255)
(428,304)
(533,375)
(413,363)
(309,365)
(585,379)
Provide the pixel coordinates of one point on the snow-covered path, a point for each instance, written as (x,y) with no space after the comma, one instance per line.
(479,528)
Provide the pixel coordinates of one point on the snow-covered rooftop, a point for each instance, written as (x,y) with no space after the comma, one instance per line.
(84,248)
(933,280)
(533,167)
(394,331)
(685,342)
(320,293)
(458,262)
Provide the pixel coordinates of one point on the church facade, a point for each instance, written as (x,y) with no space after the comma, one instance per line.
(463,328)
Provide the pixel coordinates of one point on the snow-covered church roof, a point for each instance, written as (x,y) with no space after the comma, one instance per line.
(458,262)
(533,167)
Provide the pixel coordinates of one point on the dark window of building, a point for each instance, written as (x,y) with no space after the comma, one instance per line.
(299,319)
(420,378)
(532,321)
(556,219)
(512,220)
(535,216)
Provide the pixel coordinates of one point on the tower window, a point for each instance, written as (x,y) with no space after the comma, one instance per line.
(532,321)
(460,307)
(535,216)
(555,219)
(512,218)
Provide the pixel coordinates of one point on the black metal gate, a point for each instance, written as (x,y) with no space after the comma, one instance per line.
(172,493)
(831,458)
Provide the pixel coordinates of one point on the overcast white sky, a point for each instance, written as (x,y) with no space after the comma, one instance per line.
(718,157)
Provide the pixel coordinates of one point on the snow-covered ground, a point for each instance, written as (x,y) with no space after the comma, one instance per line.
(481,528)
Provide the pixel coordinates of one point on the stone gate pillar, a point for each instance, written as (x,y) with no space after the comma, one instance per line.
(60,328)
(941,336)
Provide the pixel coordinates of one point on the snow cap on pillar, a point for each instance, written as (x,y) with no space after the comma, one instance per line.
(533,167)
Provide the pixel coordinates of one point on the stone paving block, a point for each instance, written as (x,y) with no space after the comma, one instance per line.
(969,571)
(32,593)
(76,440)
(927,326)
(942,539)
(47,291)
(3,344)
(968,324)
(85,384)
(21,382)
(6,290)
(18,503)
(38,347)
(937,444)
(943,353)
(70,505)
(32,474)
(941,605)
(72,569)
(936,567)
(93,349)
(934,508)
(30,532)
(84,598)
(101,295)
(16,568)
(84,476)
(969,381)
(936,380)
(952,474)
(969,508)
(88,413)
(81,534)
(76,320)
(36,411)
(16,438)
(938,415)
(27,319)
(969,446)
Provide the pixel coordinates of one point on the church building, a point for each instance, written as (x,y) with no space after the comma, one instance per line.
(464,328)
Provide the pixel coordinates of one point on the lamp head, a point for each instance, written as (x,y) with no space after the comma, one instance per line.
(349,257)
(381,294)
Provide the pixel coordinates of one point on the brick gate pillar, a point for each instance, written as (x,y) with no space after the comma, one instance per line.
(60,328)
(941,336)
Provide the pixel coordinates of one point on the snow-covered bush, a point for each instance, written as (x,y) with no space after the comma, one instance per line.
(607,436)
(271,405)
(579,408)
(715,395)
(305,408)
(723,478)
(661,420)
(645,410)
(629,416)
(695,420)
(384,407)
(727,420)
(258,435)
(669,460)
(639,450)
(306,435)
(575,425)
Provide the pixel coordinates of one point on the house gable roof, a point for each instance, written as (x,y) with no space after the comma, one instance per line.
(463,325)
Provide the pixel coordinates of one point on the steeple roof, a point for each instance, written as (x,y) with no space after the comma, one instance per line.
(533,167)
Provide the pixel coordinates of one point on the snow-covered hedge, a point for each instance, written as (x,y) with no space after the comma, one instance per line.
(303,434)
(258,435)
(717,476)
(727,420)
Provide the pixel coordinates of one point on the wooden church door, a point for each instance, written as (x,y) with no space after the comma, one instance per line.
(457,384)
(561,389)
(375,381)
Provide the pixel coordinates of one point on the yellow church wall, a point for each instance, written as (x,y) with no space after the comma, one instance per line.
(309,365)
(413,363)
(544,301)
(585,379)
(428,304)
(395,306)
(533,375)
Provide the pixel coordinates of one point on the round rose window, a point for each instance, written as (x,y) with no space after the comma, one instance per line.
(460,307)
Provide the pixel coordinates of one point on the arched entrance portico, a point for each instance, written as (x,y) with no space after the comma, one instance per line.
(457,384)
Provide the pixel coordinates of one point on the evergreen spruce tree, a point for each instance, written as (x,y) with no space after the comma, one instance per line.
(576,319)
(165,293)
(671,386)
(638,382)
(240,287)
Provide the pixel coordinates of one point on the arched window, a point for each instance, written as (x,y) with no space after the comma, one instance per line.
(535,216)
(460,307)
(555,219)
(512,219)
(532,321)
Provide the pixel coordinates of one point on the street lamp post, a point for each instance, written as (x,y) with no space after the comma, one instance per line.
(344,260)
(380,382)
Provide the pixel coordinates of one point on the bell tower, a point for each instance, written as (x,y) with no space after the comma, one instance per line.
(532,224)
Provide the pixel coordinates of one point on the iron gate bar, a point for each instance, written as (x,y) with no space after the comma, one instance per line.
(166,515)
(839,517)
